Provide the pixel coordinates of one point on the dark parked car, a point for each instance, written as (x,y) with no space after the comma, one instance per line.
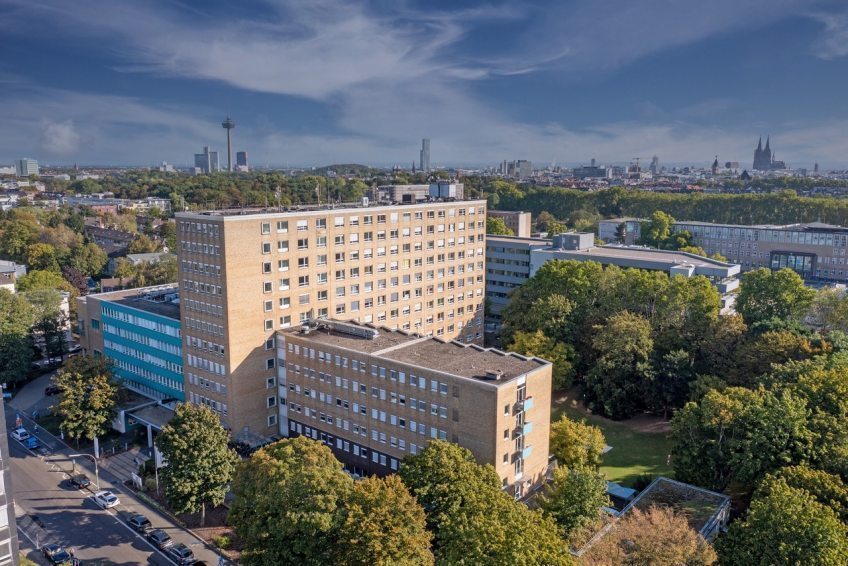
(52,390)
(140,523)
(181,554)
(56,554)
(80,481)
(160,539)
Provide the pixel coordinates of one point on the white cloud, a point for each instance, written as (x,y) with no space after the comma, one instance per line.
(833,42)
(392,77)
(59,138)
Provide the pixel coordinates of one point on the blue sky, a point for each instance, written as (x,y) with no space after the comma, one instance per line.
(324,81)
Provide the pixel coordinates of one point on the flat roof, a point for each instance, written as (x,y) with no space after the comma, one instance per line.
(454,358)
(134,298)
(154,415)
(166,309)
(464,360)
(516,239)
(641,253)
(700,506)
(276,212)
(384,339)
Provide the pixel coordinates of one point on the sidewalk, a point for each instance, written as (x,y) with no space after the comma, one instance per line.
(57,452)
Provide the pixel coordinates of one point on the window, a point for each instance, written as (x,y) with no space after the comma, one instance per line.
(303,262)
(303,243)
(268,306)
(266,287)
(282,246)
(301,225)
(266,247)
(282,226)
(272,420)
(266,228)
(283,265)
(269,363)
(321,223)
(269,324)
(303,281)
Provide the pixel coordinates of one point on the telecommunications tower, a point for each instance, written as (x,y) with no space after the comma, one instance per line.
(228,125)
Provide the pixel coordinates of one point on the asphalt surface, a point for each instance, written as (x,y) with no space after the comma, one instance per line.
(70,517)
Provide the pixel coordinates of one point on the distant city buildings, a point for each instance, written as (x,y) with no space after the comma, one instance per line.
(425,155)
(520,169)
(241,162)
(26,167)
(764,158)
(207,162)
(167,168)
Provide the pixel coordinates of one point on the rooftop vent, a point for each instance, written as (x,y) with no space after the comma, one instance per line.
(352,329)
(494,374)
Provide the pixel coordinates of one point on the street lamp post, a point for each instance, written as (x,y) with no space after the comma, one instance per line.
(96,470)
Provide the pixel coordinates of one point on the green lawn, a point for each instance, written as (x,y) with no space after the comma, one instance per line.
(635,449)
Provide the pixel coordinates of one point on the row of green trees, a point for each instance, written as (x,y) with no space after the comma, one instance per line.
(30,320)
(640,340)
(784,207)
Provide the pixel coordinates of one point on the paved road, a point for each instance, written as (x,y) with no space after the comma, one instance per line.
(71,518)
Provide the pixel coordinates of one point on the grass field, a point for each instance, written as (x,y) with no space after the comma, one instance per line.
(639,446)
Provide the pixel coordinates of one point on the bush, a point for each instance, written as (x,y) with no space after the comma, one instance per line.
(222,541)
(149,484)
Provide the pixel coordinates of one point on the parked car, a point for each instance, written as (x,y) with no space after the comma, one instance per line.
(20,434)
(32,443)
(181,554)
(106,499)
(80,481)
(52,390)
(74,349)
(160,539)
(57,554)
(139,523)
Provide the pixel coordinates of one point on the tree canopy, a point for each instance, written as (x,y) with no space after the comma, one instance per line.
(200,462)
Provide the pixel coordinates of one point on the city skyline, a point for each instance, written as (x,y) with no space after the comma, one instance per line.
(337,83)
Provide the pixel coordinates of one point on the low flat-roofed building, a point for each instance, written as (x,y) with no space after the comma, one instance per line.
(140,331)
(375,395)
(507,267)
(579,247)
(815,250)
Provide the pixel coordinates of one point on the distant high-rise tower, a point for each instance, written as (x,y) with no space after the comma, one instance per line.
(425,155)
(228,125)
(207,161)
(241,161)
(655,165)
(816,168)
(26,167)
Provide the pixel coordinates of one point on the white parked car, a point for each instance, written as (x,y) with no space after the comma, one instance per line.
(106,499)
(20,434)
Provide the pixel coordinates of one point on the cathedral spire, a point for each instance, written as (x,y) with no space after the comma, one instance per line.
(760,144)
(768,139)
